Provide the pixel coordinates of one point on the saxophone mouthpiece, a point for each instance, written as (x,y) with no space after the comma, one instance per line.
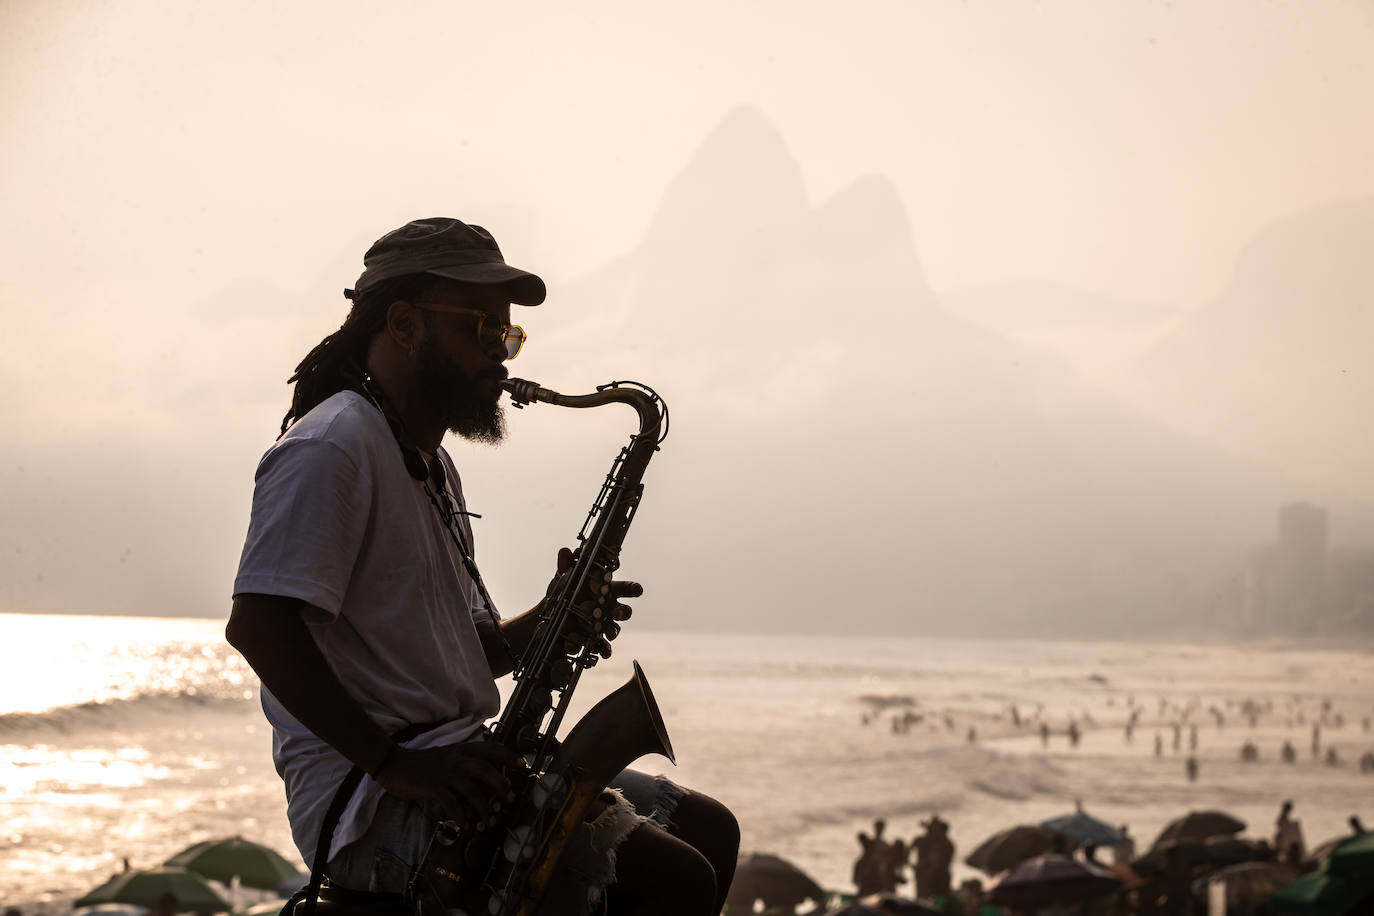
(521,392)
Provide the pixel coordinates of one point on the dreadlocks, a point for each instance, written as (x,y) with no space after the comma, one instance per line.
(340,360)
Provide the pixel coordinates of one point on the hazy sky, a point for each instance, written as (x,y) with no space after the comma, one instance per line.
(186,188)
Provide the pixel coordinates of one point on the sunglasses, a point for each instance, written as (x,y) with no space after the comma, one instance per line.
(489,328)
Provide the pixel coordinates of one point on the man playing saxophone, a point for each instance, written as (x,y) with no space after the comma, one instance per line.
(359,604)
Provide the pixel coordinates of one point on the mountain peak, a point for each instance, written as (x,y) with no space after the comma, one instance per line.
(740,180)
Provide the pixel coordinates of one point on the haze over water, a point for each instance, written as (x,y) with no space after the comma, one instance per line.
(1025,316)
(994,319)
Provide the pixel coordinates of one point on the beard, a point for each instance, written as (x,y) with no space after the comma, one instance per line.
(468,404)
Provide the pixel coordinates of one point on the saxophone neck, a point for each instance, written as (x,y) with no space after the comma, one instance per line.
(653,412)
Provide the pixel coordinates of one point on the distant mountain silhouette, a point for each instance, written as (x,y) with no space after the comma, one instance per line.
(848,456)
(1279,364)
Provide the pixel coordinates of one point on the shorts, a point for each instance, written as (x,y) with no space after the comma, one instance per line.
(383,859)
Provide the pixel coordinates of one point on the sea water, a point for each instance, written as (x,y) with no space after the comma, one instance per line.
(135,737)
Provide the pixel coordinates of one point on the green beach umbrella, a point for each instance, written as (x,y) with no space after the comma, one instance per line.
(1354,857)
(1320,894)
(144,888)
(252,863)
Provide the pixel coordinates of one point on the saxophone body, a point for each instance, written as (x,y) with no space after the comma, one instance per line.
(505,870)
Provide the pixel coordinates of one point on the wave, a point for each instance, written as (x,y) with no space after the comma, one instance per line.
(1017,778)
(107,715)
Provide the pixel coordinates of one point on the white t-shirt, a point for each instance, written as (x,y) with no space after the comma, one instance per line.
(339,523)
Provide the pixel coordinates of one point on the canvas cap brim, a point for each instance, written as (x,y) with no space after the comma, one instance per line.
(523,287)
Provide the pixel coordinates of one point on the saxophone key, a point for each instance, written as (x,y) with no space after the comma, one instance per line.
(519,845)
(548,790)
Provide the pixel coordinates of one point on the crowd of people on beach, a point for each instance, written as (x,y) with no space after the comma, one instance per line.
(1165,880)
(1174,719)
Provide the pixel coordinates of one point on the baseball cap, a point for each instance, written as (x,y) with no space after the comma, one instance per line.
(446,248)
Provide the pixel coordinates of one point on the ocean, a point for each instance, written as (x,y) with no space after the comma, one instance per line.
(135,737)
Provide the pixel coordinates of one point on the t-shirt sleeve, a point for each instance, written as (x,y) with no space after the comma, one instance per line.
(310,512)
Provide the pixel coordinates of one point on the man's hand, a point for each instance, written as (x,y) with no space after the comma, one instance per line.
(469,780)
(504,647)
(610,629)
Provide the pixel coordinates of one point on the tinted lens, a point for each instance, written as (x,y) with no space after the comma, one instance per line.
(515,339)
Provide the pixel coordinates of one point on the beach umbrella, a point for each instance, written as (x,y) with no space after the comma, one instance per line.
(1084,829)
(1322,851)
(774,880)
(894,905)
(1001,851)
(1213,851)
(143,888)
(114,909)
(1249,885)
(1354,857)
(1052,880)
(1322,894)
(1200,825)
(254,864)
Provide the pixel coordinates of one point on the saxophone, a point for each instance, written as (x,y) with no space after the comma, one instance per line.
(505,870)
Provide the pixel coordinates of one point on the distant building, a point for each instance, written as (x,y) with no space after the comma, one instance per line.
(1350,587)
(1285,590)
(1302,567)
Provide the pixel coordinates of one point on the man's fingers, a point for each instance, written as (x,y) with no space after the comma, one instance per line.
(484,772)
(621,612)
(626,589)
(475,794)
(564,559)
(456,806)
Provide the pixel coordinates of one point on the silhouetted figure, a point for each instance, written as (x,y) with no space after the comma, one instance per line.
(934,854)
(1367,762)
(1192,737)
(972,735)
(970,896)
(1248,752)
(1178,736)
(1332,758)
(1288,840)
(1365,723)
(1191,766)
(1159,745)
(1316,738)
(878,869)
(1123,853)
(1073,733)
(1044,734)
(1016,721)
(1356,827)
(1289,753)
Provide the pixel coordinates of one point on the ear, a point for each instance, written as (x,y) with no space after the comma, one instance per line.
(404,325)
